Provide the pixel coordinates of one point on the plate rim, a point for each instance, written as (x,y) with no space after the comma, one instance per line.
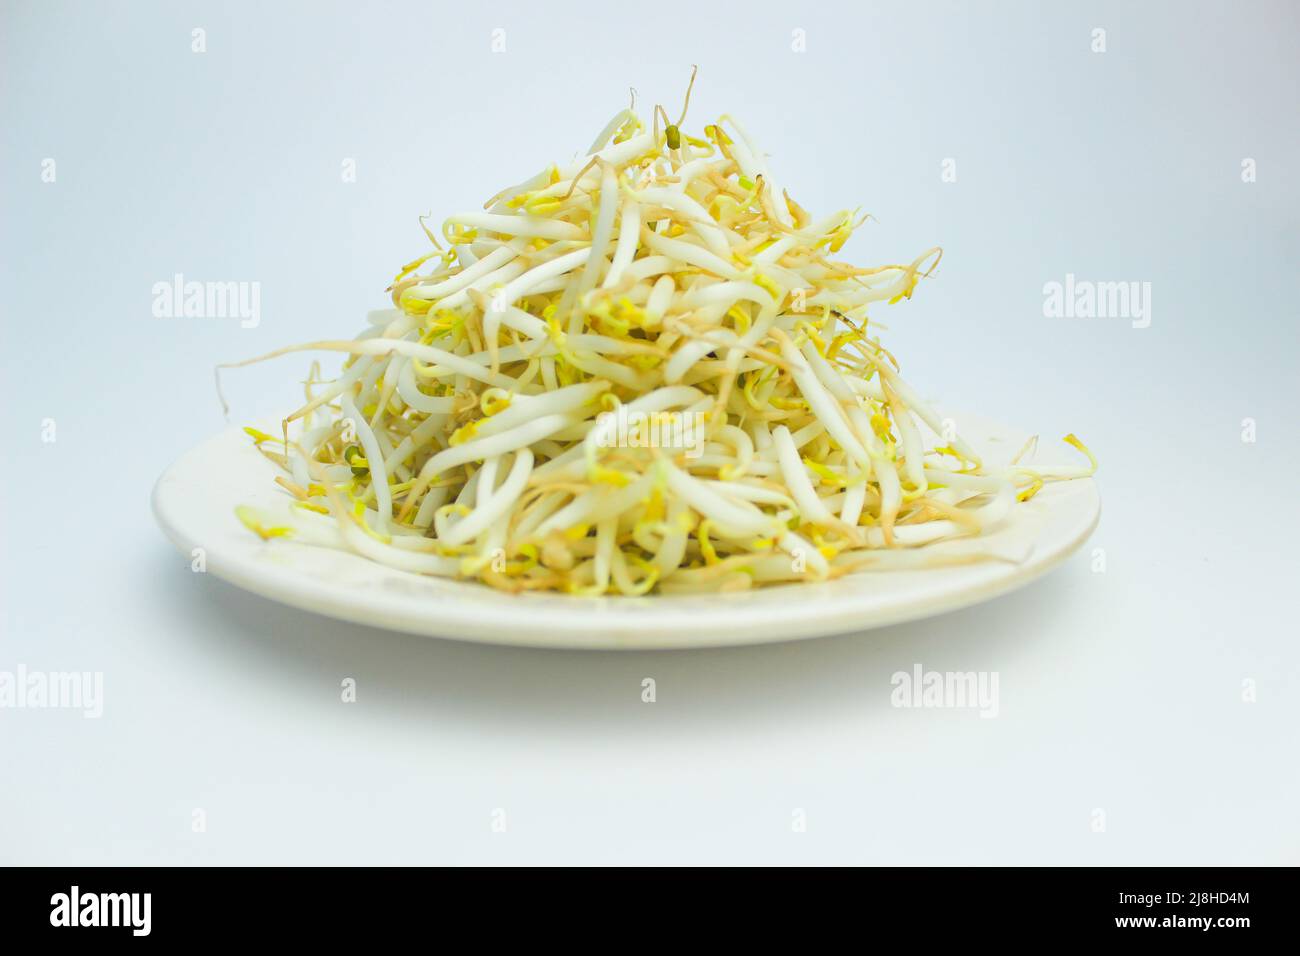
(610,623)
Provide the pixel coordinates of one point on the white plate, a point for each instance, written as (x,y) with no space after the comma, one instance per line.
(195,501)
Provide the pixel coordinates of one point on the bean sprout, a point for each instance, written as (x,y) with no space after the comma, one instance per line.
(638,372)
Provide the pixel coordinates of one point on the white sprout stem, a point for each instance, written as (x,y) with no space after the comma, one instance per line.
(629,235)
(530,226)
(736,518)
(482,448)
(796,479)
(822,405)
(468,276)
(492,507)
(375,458)
(621,117)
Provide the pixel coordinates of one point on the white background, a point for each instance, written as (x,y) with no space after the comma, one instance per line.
(1120,691)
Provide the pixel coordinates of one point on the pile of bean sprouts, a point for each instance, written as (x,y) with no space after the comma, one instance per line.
(495,424)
